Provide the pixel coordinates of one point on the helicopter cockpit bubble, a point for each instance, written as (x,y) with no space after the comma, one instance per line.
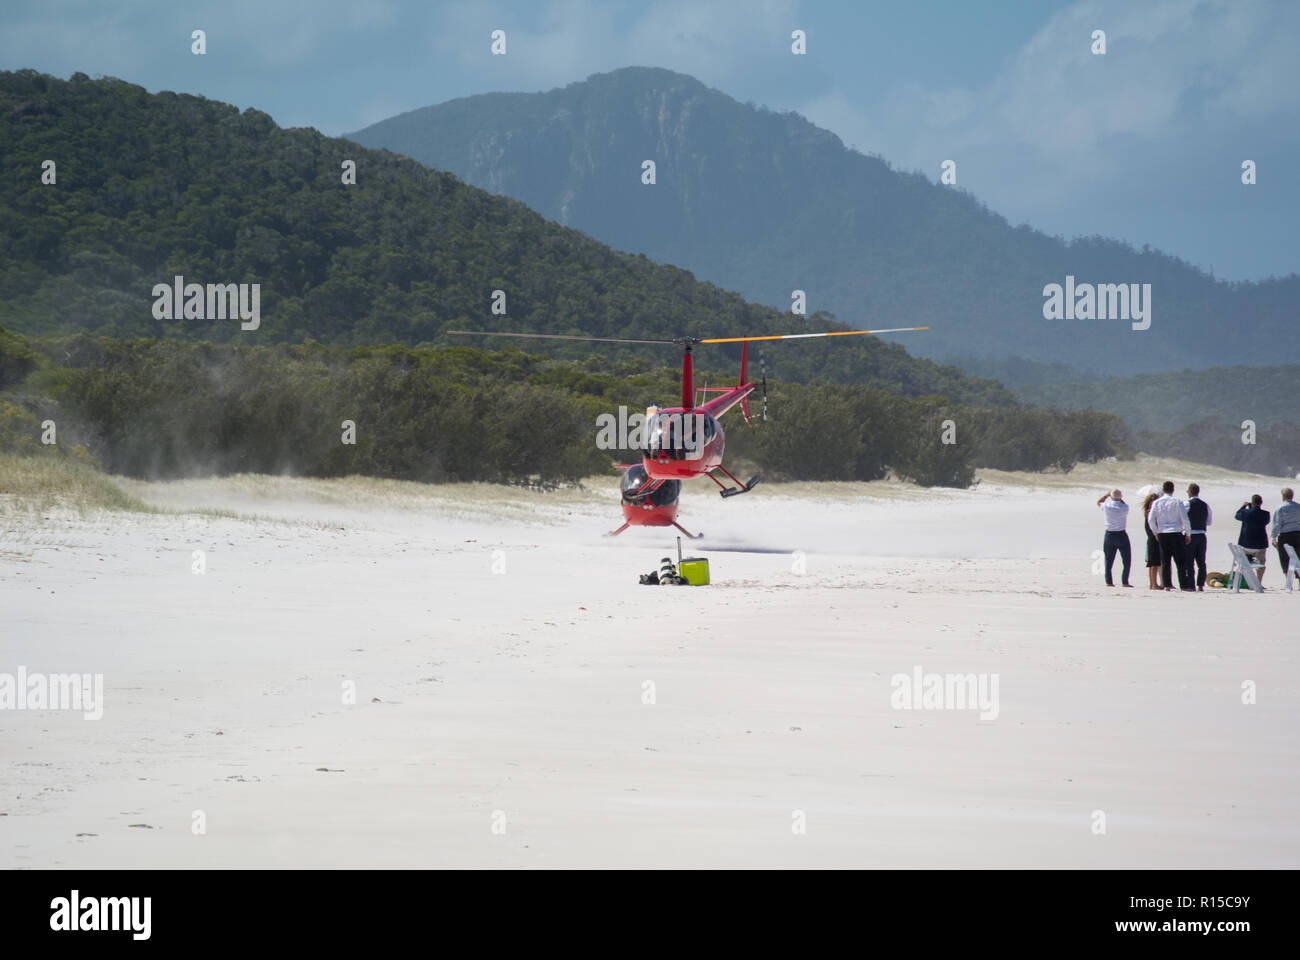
(635,482)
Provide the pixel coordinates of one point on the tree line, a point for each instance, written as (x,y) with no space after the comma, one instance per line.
(170,408)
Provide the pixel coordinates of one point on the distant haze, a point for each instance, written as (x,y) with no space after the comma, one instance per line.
(768,204)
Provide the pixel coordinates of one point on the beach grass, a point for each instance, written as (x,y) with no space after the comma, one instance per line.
(39,483)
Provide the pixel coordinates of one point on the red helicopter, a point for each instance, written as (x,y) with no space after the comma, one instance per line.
(686,441)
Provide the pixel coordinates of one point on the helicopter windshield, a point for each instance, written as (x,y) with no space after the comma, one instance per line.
(665,495)
(636,480)
(679,436)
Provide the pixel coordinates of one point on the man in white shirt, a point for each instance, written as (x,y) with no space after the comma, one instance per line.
(1115,511)
(1286,530)
(1168,521)
(1200,516)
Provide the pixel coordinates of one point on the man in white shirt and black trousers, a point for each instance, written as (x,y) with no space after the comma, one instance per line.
(1115,510)
(1168,521)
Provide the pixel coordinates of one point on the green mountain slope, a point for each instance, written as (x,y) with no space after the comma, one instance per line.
(767,203)
(150,186)
(1166,402)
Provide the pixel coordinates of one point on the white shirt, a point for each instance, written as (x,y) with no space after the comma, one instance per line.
(1116,512)
(1168,515)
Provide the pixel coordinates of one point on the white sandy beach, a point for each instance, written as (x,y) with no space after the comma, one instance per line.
(501,648)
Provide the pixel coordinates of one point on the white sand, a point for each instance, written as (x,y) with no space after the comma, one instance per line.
(522,691)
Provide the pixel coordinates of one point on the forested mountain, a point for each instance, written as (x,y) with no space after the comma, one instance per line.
(1166,402)
(1245,418)
(766,203)
(150,186)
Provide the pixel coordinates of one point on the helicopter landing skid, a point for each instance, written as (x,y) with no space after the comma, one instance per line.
(687,533)
(739,487)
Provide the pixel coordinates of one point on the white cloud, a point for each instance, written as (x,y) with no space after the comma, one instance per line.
(1170,67)
(1118,144)
(290,32)
(715,42)
(118,38)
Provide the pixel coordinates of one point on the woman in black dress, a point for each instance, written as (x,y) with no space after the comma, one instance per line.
(1153,545)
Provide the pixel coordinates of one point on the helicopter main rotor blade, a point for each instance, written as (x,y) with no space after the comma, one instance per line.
(805,336)
(680,341)
(549,336)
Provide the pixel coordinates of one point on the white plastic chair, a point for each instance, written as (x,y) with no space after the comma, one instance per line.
(1292,570)
(1246,567)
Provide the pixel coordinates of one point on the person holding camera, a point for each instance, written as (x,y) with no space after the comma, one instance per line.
(1254,533)
(1115,511)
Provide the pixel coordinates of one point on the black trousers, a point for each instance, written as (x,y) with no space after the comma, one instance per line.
(1173,548)
(1292,537)
(1196,558)
(1117,542)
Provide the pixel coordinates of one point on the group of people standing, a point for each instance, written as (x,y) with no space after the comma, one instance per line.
(1177,530)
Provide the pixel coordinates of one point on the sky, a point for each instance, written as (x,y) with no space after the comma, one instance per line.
(1144,143)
